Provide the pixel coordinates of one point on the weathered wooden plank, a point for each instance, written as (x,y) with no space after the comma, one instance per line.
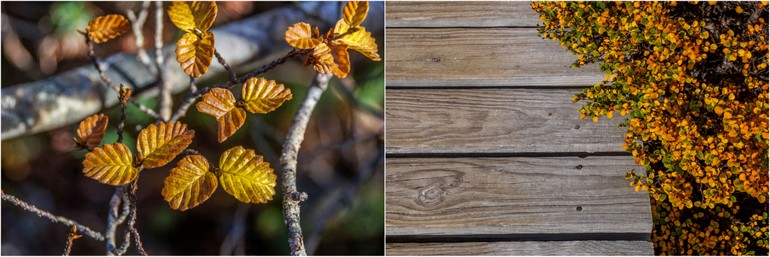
(494,120)
(611,248)
(476,57)
(515,197)
(460,14)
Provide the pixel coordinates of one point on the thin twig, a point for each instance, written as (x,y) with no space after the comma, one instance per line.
(56,219)
(112,215)
(166,102)
(221,60)
(145,110)
(187,102)
(233,243)
(182,111)
(137,27)
(98,66)
(132,218)
(291,197)
(70,238)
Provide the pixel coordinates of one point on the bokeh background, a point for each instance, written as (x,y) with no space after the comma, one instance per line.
(340,162)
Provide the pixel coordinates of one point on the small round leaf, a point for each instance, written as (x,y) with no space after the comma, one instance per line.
(300,36)
(188,16)
(262,96)
(103,28)
(110,164)
(220,103)
(354,12)
(159,144)
(189,184)
(244,175)
(361,41)
(91,131)
(194,54)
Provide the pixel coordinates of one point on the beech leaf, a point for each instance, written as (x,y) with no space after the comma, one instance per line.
(262,96)
(361,41)
(301,36)
(91,131)
(189,16)
(220,103)
(354,13)
(110,164)
(322,59)
(103,28)
(194,54)
(189,184)
(244,175)
(159,144)
(341,60)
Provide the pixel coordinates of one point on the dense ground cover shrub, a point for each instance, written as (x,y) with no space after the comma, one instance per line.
(691,79)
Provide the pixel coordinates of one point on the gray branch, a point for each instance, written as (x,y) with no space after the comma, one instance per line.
(56,219)
(71,96)
(291,197)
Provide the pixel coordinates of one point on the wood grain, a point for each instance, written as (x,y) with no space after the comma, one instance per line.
(494,120)
(461,14)
(478,57)
(611,248)
(506,197)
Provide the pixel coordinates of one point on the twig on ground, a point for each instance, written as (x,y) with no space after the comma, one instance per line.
(291,197)
(70,238)
(56,219)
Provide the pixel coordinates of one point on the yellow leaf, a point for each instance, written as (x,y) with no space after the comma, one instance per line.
(341,28)
(341,60)
(110,164)
(300,36)
(194,54)
(262,96)
(91,131)
(188,16)
(354,13)
(103,28)
(322,59)
(361,41)
(159,144)
(244,175)
(189,184)
(220,103)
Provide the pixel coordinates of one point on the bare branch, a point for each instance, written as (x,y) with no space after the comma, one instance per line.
(233,76)
(112,224)
(164,108)
(233,243)
(70,238)
(132,218)
(56,219)
(291,197)
(137,27)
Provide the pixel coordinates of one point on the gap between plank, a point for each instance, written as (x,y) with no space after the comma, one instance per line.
(519,237)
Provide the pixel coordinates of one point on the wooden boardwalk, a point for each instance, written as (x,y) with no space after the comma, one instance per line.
(486,152)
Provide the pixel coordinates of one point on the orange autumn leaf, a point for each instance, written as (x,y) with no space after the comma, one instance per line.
(262,96)
(91,131)
(189,16)
(110,164)
(322,59)
(362,42)
(159,144)
(195,53)
(300,36)
(220,103)
(103,28)
(355,12)
(341,60)
(189,183)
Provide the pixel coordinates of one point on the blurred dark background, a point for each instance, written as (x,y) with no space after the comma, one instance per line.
(340,162)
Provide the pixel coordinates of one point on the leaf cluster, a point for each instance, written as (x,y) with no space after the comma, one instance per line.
(691,80)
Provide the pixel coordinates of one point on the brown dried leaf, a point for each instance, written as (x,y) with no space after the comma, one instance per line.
(262,96)
(341,60)
(189,184)
(220,103)
(244,175)
(354,13)
(300,36)
(91,131)
(188,16)
(195,54)
(159,144)
(110,164)
(322,59)
(103,28)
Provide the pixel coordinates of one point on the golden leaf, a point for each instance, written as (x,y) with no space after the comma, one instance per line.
(194,54)
(262,96)
(361,41)
(91,131)
(189,184)
(103,28)
(244,175)
(220,103)
(300,36)
(110,164)
(341,60)
(189,16)
(354,13)
(322,59)
(159,144)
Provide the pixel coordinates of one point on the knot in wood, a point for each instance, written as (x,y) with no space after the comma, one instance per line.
(298,196)
(431,196)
